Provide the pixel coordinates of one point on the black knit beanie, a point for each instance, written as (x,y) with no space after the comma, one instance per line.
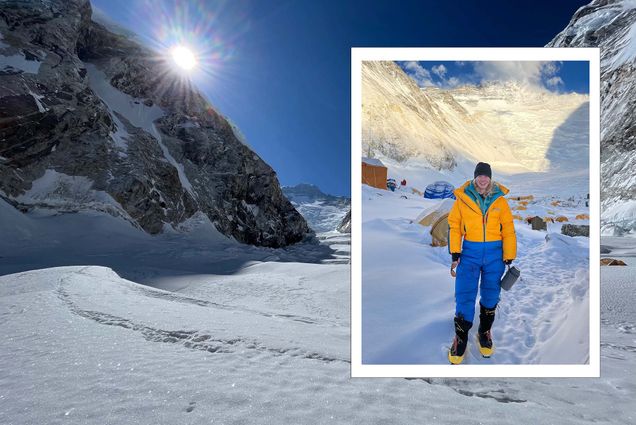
(483,169)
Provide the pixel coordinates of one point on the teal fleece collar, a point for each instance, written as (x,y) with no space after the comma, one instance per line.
(484,203)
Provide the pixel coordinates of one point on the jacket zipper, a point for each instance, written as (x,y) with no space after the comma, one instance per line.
(485,223)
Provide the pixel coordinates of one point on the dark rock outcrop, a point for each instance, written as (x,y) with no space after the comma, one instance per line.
(537,223)
(575,230)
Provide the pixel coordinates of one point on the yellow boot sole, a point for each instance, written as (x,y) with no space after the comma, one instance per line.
(484,351)
(456,359)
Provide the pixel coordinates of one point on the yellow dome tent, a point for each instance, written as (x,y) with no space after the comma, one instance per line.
(437,218)
(439,231)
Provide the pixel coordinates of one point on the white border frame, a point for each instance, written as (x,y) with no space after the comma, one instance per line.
(592,55)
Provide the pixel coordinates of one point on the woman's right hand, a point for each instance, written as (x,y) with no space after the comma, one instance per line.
(453,267)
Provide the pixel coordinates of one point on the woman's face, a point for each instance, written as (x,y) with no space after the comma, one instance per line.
(482,182)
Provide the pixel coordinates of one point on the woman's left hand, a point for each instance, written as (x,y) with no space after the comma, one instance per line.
(453,267)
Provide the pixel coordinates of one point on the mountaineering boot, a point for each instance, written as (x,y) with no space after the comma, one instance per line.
(484,337)
(458,349)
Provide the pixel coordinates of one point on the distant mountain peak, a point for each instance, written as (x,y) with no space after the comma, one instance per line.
(304,188)
(323,212)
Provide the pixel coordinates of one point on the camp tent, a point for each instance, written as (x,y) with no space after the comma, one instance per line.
(437,217)
(374,173)
(439,190)
(439,231)
(430,215)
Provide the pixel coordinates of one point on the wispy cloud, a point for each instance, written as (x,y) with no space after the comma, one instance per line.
(439,70)
(532,73)
(524,72)
(554,82)
(544,75)
(549,69)
(453,82)
(421,75)
(424,77)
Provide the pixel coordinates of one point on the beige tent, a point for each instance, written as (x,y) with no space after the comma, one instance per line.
(432,214)
(437,218)
(374,173)
(439,231)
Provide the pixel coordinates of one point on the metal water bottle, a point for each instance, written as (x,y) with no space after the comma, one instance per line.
(510,278)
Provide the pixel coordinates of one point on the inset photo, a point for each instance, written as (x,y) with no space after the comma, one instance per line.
(475,212)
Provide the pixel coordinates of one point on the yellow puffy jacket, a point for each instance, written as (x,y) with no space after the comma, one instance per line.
(467,221)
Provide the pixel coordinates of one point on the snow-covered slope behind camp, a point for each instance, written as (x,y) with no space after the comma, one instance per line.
(494,122)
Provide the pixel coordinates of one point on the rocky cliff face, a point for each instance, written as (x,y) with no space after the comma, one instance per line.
(611,26)
(91,120)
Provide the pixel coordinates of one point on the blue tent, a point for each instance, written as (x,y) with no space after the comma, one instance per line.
(439,190)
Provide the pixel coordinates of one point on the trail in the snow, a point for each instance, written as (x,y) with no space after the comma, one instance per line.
(72,291)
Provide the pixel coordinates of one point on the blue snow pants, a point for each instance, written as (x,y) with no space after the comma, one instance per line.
(478,260)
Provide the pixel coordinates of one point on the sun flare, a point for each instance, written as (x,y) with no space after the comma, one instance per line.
(184,57)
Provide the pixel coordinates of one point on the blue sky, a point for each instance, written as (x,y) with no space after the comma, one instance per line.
(281,69)
(558,77)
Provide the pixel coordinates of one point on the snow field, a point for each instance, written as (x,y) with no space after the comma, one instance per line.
(84,346)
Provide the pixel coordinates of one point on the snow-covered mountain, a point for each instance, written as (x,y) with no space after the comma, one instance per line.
(493,122)
(611,26)
(323,212)
(90,120)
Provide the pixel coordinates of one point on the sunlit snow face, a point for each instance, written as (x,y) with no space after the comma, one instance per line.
(482,181)
(183,57)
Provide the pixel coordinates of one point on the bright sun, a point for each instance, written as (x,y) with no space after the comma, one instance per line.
(183,57)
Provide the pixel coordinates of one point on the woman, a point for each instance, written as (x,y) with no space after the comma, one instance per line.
(482,218)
